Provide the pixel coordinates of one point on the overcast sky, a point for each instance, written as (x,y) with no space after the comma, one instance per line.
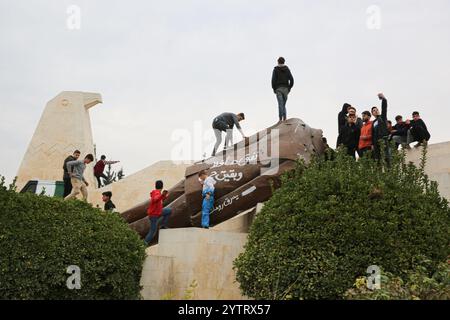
(166,66)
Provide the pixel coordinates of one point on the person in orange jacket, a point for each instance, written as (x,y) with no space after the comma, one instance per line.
(365,139)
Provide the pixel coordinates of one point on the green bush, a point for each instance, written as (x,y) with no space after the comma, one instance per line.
(418,286)
(331,220)
(40,237)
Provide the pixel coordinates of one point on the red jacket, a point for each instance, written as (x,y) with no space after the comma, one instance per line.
(99,168)
(156,203)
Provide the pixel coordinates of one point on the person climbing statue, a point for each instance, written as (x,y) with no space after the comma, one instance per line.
(282,83)
(155,210)
(99,168)
(226,122)
(76,171)
(207,195)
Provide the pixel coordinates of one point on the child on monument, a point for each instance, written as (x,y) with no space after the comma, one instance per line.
(156,210)
(207,195)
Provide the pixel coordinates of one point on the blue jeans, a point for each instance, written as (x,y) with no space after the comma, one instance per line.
(207,206)
(154,223)
(282,95)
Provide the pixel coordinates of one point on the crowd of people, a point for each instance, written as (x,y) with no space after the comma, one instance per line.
(371,133)
(75,183)
(373,129)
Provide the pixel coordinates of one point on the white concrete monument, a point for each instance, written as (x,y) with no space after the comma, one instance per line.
(65,126)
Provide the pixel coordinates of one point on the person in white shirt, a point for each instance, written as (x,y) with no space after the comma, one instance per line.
(207,195)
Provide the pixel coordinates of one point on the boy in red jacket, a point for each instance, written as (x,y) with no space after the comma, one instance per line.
(156,210)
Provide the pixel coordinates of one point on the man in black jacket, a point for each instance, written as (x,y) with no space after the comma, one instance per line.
(350,135)
(66,177)
(399,133)
(380,132)
(282,83)
(347,110)
(418,131)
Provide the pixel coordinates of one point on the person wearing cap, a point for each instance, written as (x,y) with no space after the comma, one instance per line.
(109,205)
(225,123)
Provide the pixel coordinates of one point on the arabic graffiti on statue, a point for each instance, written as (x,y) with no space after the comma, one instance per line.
(226,203)
(226,176)
(241,162)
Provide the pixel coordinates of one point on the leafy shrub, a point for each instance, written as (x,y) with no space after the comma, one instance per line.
(418,286)
(40,237)
(331,220)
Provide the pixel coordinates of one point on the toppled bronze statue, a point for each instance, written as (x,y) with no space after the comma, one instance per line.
(245,174)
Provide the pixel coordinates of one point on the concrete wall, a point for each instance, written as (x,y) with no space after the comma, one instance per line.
(437,166)
(196,256)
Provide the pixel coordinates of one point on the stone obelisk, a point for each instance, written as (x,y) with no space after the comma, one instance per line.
(64,126)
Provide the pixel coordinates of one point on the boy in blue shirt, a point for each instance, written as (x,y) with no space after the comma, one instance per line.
(208,196)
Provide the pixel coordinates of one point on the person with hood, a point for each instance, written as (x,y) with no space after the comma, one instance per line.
(350,135)
(282,83)
(380,132)
(155,210)
(347,109)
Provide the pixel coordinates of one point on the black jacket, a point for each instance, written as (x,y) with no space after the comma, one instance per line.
(66,173)
(342,121)
(349,135)
(379,126)
(419,130)
(109,206)
(401,129)
(282,77)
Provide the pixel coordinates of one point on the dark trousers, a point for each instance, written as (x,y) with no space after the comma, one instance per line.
(99,181)
(282,96)
(154,223)
(364,151)
(420,134)
(351,152)
(67,187)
